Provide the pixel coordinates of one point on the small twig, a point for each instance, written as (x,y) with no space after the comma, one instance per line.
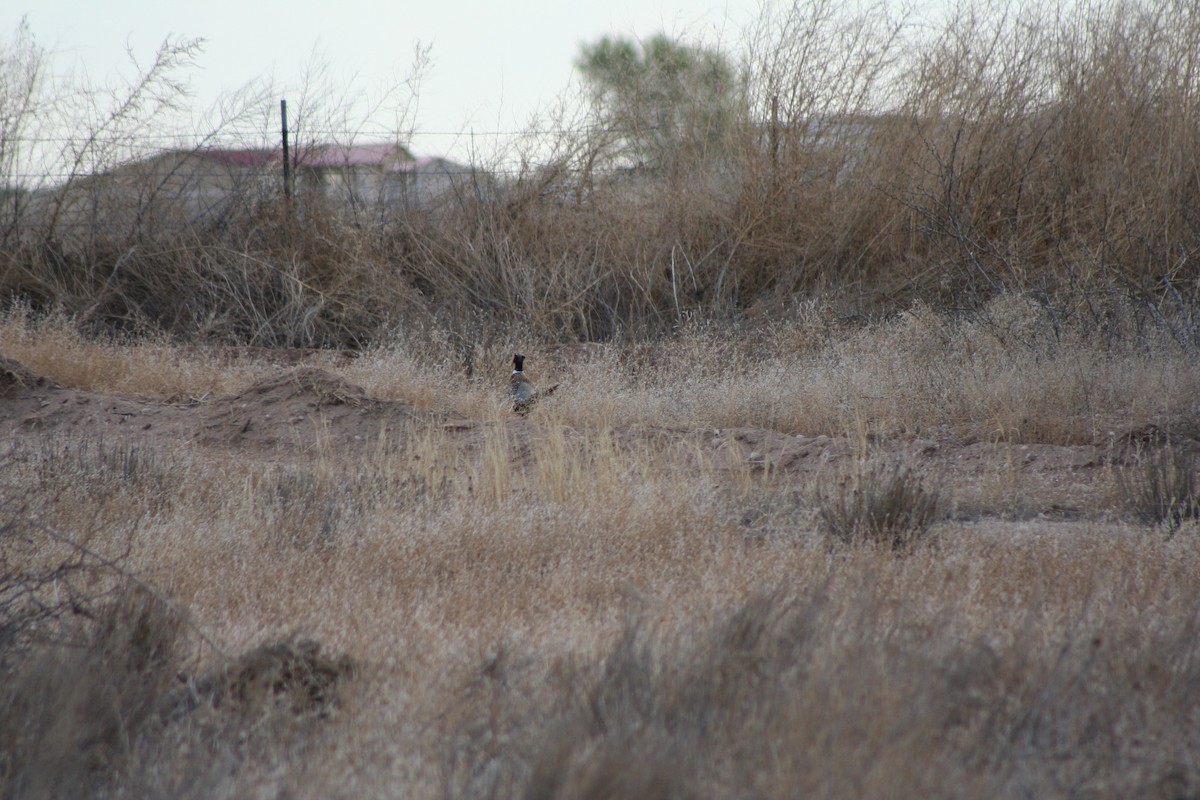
(674,288)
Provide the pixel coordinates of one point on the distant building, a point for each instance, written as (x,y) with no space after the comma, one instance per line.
(377,175)
(207,184)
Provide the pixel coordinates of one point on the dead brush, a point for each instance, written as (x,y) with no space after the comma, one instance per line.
(1162,486)
(878,504)
(72,714)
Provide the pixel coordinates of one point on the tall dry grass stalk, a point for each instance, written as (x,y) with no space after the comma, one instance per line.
(879,504)
(1163,486)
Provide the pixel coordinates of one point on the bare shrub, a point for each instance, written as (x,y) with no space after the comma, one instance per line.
(73,715)
(869,159)
(835,690)
(95,694)
(116,712)
(1162,486)
(43,587)
(291,676)
(878,503)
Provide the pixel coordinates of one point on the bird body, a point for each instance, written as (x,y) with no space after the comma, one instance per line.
(522,390)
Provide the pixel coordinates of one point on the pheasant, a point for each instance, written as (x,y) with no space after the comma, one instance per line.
(522,391)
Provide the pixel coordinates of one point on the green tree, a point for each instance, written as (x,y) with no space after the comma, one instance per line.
(667,104)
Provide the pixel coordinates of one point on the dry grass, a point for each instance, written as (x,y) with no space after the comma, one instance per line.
(1163,486)
(1015,371)
(54,348)
(532,650)
(878,504)
(1047,150)
(628,593)
(582,604)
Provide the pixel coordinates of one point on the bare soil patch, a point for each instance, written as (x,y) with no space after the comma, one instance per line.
(283,412)
(293,408)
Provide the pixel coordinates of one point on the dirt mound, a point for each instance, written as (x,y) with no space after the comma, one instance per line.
(296,409)
(311,386)
(778,451)
(288,410)
(14,377)
(305,409)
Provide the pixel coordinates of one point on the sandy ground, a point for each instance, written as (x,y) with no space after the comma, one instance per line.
(295,407)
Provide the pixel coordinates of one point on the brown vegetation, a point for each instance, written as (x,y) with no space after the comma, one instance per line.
(1049,151)
(870,470)
(630,590)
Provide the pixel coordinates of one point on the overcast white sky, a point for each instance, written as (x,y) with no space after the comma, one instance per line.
(493,64)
